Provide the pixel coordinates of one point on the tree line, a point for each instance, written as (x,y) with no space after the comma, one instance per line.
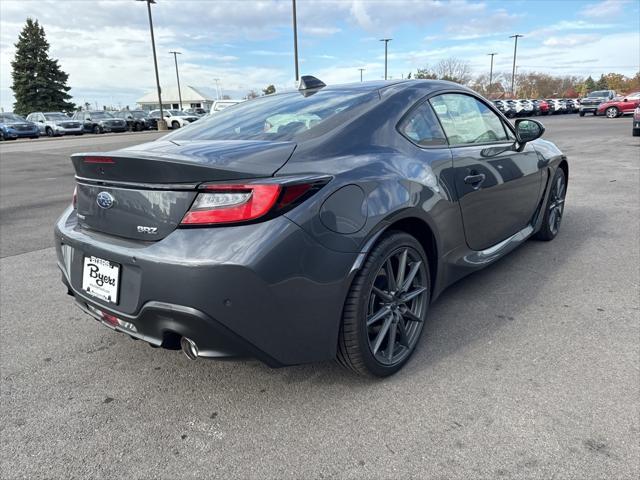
(526,84)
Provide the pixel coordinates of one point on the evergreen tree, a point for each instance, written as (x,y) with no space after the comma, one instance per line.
(39,84)
(589,85)
(269,90)
(602,83)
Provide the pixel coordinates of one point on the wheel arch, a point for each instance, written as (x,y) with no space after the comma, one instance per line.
(417,227)
(564,165)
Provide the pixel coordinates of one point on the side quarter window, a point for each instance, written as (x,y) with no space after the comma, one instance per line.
(422,127)
(467,121)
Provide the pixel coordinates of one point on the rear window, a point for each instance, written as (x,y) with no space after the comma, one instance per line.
(277,117)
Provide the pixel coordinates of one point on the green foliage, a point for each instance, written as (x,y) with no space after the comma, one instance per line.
(39,84)
(425,74)
(269,90)
(589,84)
(602,83)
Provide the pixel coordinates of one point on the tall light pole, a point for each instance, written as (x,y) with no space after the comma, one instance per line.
(162,124)
(386,41)
(515,52)
(175,59)
(295,40)
(491,71)
(361,70)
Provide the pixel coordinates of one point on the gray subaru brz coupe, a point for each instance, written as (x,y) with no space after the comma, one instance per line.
(308,225)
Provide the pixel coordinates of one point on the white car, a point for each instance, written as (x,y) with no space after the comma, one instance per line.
(55,123)
(174,118)
(524,107)
(559,105)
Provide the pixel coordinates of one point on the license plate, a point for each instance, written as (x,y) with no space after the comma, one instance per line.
(100,278)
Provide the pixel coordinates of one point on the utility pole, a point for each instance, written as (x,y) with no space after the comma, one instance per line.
(295,40)
(386,41)
(361,70)
(217,80)
(515,52)
(491,71)
(162,124)
(175,59)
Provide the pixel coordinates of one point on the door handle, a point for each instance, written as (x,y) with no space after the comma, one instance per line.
(475,180)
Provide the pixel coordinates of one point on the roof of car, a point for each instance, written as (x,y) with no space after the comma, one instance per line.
(381,84)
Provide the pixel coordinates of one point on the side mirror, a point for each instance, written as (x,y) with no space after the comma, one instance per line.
(528,130)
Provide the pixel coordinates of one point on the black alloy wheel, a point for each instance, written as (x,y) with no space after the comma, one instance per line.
(49,131)
(97,129)
(555,208)
(386,307)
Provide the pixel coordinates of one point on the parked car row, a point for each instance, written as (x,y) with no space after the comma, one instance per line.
(54,124)
(601,102)
(526,108)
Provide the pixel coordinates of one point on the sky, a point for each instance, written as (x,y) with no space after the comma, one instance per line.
(105,46)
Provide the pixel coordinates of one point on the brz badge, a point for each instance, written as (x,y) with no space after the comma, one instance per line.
(104,200)
(149,230)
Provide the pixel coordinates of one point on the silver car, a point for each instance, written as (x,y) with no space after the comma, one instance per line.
(54,124)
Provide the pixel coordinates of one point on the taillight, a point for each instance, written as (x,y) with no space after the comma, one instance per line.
(232,203)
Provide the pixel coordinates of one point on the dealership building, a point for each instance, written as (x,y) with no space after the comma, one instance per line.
(191,98)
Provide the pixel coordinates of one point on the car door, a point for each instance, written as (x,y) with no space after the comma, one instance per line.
(498,188)
(630,102)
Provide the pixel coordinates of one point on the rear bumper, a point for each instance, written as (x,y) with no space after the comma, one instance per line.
(267,289)
(162,325)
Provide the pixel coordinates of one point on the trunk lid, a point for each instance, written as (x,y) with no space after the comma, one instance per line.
(143,192)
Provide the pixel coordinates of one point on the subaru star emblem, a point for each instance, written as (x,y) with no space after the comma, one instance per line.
(104,200)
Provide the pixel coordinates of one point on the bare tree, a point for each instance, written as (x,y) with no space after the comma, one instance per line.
(454,70)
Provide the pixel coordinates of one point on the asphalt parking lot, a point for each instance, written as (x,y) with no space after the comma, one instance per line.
(528,369)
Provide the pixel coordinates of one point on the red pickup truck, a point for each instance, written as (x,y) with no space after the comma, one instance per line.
(619,105)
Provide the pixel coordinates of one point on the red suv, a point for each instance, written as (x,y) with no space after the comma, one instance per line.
(619,105)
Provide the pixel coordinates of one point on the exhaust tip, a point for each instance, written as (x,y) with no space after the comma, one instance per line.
(189,348)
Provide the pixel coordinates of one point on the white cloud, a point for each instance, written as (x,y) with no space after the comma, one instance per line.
(571,40)
(604,9)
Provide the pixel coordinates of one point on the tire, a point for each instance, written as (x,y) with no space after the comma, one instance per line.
(581,114)
(175,125)
(138,127)
(395,323)
(554,208)
(612,112)
(97,129)
(49,132)
(635,132)
(1,136)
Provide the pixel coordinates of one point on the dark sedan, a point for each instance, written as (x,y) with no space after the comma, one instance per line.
(308,225)
(137,120)
(100,121)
